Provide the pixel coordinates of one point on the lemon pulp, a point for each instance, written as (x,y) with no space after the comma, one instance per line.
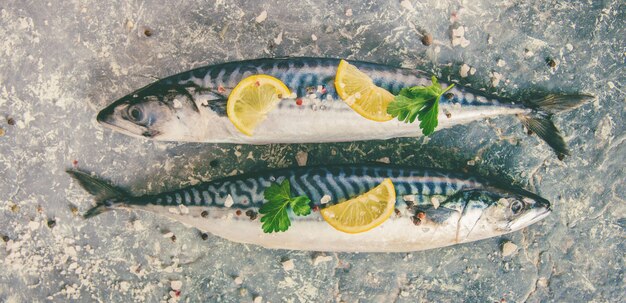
(360,93)
(364,212)
(251,100)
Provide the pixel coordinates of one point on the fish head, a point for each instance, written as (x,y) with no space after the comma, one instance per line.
(495,211)
(157,112)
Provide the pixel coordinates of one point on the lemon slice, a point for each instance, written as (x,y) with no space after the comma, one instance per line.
(364,212)
(361,94)
(251,100)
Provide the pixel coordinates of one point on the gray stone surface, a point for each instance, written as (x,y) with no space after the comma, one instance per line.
(61,61)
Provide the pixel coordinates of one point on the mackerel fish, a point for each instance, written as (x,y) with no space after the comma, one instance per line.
(434,208)
(191,106)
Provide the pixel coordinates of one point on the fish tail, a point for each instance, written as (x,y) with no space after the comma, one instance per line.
(106,195)
(539,121)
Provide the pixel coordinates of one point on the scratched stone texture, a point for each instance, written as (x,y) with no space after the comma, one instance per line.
(61,61)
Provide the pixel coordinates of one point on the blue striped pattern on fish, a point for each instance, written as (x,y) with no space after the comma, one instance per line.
(340,183)
(303,72)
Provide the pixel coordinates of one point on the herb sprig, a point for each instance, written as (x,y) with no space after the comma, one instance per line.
(278,196)
(421,102)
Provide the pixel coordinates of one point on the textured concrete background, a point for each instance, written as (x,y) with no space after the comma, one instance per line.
(61,61)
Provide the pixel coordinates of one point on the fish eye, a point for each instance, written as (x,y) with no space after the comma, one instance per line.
(516,206)
(135,113)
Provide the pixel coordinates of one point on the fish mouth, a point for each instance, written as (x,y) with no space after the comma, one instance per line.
(107,119)
(539,214)
(104,116)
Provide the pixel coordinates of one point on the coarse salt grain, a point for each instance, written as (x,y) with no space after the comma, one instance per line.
(261,17)
(176,284)
(288,265)
(464,70)
(238,280)
(229,201)
(183,209)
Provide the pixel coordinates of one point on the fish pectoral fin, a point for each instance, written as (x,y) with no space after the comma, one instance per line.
(217,105)
(541,125)
(539,120)
(214,100)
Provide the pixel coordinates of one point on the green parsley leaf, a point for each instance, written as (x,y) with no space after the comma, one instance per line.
(300,206)
(419,102)
(275,216)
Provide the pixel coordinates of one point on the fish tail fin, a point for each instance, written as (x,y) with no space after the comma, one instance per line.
(106,195)
(539,121)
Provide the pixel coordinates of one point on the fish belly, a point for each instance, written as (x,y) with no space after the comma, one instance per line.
(312,233)
(335,121)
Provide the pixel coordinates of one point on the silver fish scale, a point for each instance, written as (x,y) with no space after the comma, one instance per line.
(340,183)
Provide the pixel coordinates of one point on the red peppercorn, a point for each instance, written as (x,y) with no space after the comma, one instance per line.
(298,101)
(421,215)
(238,212)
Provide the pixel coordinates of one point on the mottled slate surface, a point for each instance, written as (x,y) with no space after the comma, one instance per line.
(61,61)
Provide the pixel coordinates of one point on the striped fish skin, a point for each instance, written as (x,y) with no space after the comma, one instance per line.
(433,209)
(191,106)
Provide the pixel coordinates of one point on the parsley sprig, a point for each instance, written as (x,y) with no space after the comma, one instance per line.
(421,102)
(278,196)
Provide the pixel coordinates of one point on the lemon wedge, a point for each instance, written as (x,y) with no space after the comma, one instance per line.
(364,212)
(360,93)
(251,100)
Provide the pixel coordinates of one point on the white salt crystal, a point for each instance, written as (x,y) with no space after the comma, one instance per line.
(464,70)
(176,284)
(183,209)
(229,201)
(261,17)
(508,249)
(288,265)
